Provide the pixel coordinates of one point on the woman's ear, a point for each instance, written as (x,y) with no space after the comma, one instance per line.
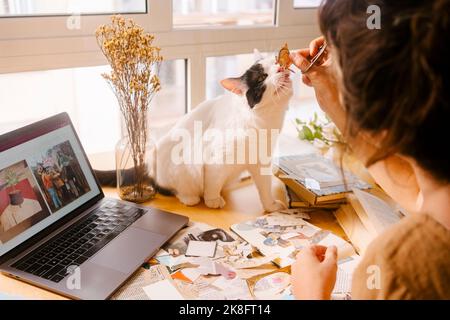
(234,85)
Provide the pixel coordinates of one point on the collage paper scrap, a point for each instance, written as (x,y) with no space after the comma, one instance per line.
(254,263)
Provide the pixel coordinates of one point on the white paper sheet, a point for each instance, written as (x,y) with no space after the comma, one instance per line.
(162,290)
(346,268)
(191,273)
(133,288)
(201,249)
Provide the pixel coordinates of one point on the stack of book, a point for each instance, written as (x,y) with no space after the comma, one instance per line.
(366,216)
(295,201)
(315,181)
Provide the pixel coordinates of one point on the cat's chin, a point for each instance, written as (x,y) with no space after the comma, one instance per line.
(284,89)
(284,82)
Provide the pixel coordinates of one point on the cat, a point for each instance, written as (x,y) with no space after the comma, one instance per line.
(256,101)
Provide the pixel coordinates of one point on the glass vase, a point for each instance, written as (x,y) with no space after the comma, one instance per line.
(136,168)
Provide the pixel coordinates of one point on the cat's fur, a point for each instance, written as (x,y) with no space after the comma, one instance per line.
(258,100)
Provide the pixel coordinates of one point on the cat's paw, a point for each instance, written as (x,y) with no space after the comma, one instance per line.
(215,203)
(189,200)
(277,205)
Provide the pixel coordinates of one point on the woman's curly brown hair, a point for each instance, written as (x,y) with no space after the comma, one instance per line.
(396,80)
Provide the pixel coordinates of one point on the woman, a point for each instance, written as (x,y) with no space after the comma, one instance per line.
(388,91)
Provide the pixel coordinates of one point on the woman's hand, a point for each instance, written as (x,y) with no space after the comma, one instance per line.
(314,273)
(321,77)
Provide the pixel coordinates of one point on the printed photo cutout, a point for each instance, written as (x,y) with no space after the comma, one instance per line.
(21,202)
(214,235)
(59,174)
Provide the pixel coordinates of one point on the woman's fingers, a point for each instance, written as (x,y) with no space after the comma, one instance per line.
(304,53)
(317,253)
(300,60)
(320,252)
(330,255)
(315,45)
(307,255)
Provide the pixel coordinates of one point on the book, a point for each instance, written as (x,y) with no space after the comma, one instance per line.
(358,235)
(316,179)
(294,201)
(366,216)
(375,209)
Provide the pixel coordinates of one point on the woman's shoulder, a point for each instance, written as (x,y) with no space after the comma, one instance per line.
(412,258)
(418,233)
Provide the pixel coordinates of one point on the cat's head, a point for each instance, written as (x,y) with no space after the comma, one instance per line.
(263,84)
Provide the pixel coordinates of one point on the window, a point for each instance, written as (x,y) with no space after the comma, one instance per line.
(10,8)
(51,63)
(201,13)
(218,68)
(82,92)
(306,3)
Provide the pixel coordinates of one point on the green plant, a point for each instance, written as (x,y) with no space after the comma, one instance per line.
(12,178)
(318,130)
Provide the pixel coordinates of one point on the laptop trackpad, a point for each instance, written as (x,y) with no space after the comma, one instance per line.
(129,250)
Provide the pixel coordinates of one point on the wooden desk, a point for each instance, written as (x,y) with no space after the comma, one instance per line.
(242,204)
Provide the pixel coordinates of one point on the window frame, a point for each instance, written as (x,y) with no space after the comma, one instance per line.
(41,43)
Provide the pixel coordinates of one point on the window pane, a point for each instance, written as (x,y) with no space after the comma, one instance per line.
(303,103)
(218,68)
(200,13)
(306,3)
(64,7)
(82,92)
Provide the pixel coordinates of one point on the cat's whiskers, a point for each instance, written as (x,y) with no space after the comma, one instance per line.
(285,91)
(276,91)
(278,97)
(283,88)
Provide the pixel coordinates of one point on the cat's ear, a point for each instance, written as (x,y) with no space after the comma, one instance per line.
(257,55)
(234,85)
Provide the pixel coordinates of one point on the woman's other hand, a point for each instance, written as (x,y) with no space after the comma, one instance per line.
(314,273)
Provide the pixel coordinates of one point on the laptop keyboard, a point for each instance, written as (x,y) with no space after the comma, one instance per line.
(79,242)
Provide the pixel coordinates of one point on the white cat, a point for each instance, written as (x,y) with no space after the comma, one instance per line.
(257,100)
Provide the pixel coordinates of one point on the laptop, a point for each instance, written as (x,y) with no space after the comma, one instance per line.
(57,229)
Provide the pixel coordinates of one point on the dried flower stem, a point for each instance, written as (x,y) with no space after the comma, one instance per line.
(133,79)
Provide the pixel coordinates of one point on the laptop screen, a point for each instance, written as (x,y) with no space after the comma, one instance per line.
(42,179)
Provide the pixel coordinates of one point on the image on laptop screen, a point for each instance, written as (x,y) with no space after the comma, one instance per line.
(41,180)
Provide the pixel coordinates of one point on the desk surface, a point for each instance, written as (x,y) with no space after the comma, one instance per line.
(242,205)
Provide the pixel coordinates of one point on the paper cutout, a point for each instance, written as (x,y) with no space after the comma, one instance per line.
(191,273)
(162,290)
(179,275)
(201,249)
